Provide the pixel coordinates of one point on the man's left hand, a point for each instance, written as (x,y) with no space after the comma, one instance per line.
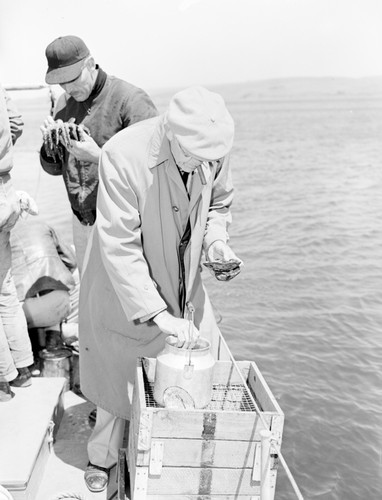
(218,254)
(220,251)
(85,150)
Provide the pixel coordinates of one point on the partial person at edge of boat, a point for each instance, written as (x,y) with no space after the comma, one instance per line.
(15,347)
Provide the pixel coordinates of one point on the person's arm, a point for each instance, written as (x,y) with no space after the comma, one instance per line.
(219,218)
(16,122)
(10,129)
(118,225)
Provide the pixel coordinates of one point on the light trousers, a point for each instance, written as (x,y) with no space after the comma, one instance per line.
(106,439)
(107,436)
(52,308)
(15,345)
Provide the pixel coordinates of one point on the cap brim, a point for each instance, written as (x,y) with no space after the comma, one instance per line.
(63,75)
(214,151)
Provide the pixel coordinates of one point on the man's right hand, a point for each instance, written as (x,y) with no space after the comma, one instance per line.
(27,203)
(85,150)
(184,329)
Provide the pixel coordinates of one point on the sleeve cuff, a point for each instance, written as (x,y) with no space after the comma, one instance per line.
(151,316)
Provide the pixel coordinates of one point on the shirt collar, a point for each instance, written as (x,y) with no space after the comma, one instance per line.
(98,85)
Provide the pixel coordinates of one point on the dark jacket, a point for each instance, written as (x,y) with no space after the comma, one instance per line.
(40,261)
(112,106)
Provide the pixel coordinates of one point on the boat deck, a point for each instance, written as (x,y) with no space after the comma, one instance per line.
(64,472)
(24,470)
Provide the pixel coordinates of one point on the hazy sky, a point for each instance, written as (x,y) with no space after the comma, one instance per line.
(162,43)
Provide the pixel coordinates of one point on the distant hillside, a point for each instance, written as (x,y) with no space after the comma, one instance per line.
(273,90)
(284,89)
(370,87)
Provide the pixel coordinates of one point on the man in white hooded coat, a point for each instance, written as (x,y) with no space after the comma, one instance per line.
(164,196)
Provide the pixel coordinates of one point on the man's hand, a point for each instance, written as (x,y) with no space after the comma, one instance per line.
(48,122)
(27,203)
(85,150)
(9,211)
(218,250)
(184,329)
(222,261)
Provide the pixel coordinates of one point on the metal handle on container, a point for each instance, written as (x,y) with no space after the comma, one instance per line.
(189,368)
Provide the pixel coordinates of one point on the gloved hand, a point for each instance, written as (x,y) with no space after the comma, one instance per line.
(27,203)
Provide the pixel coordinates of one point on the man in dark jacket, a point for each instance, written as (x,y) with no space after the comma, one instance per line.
(102,105)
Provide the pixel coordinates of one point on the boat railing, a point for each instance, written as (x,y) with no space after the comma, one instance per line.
(267,443)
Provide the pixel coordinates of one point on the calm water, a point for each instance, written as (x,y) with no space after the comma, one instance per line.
(307,305)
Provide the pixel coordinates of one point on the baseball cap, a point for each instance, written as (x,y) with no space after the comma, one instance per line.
(201,123)
(65,56)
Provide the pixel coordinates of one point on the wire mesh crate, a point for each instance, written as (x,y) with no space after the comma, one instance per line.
(207,453)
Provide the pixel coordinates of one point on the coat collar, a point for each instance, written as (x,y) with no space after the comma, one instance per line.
(159,150)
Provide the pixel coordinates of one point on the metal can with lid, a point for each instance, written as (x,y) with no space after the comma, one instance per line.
(183,377)
(56,363)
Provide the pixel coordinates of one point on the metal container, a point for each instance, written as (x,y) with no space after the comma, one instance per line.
(56,363)
(183,377)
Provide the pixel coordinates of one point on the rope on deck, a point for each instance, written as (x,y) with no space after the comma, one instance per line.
(70,496)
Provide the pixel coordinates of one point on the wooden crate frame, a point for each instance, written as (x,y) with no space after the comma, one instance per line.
(201,454)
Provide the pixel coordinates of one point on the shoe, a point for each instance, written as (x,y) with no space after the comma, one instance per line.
(96,478)
(35,370)
(23,379)
(5,392)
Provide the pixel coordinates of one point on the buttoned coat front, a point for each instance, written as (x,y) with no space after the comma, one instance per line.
(132,269)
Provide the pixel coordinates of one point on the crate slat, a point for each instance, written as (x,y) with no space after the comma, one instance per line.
(202,497)
(201,481)
(206,453)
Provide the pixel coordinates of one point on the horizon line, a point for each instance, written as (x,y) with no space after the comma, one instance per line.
(40,86)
